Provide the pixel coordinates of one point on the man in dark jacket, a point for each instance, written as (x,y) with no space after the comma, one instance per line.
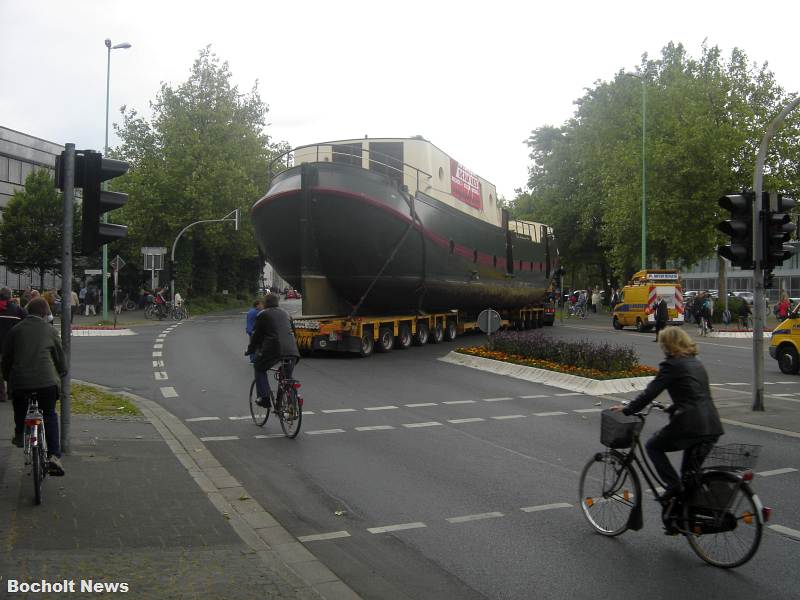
(33,361)
(662,315)
(10,315)
(693,418)
(272,341)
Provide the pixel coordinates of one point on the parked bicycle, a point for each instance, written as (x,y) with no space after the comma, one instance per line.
(287,404)
(718,512)
(35,445)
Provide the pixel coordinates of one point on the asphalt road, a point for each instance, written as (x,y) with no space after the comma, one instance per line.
(439,481)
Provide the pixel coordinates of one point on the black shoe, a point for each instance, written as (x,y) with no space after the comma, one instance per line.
(17,440)
(54,466)
(262,402)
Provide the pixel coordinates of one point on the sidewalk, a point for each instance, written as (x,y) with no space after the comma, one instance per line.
(135,508)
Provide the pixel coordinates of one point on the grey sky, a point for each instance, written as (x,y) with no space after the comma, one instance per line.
(473,77)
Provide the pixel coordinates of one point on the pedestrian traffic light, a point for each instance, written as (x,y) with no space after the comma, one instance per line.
(91,169)
(778,228)
(739,228)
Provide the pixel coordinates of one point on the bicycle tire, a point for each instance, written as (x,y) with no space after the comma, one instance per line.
(723,537)
(129,305)
(259,413)
(37,471)
(290,413)
(608,493)
(149,311)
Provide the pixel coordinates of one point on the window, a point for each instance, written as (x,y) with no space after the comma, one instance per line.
(14,171)
(26,170)
(349,154)
(387,158)
(3,168)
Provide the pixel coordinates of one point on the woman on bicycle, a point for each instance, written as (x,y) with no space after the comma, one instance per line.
(693,418)
(272,340)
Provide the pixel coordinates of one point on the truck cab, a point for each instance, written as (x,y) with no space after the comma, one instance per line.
(636,307)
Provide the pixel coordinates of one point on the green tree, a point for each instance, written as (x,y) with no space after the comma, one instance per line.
(201,155)
(31,232)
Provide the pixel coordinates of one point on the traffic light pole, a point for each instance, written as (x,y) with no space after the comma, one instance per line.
(66,293)
(759,313)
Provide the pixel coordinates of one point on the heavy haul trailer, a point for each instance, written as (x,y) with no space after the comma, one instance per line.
(383,333)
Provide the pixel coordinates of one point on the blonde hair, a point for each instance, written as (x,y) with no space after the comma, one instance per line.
(676,342)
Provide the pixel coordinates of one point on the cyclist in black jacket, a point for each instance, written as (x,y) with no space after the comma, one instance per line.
(693,418)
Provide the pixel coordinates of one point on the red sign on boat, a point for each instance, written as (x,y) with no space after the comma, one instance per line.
(465,185)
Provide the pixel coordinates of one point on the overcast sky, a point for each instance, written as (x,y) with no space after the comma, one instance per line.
(472,77)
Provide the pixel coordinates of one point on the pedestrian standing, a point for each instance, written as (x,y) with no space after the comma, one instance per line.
(662,315)
(82,299)
(595,300)
(73,308)
(90,300)
(10,315)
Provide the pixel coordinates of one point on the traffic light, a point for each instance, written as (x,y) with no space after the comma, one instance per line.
(91,169)
(739,228)
(778,228)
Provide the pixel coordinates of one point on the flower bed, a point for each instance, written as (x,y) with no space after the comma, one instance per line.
(584,359)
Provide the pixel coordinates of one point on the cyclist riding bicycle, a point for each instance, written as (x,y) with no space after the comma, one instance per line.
(694,424)
(272,341)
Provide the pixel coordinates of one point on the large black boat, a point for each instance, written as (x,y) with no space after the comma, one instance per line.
(375,225)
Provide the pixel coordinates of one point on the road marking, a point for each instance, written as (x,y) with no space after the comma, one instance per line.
(198,419)
(308,412)
(535,396)
(792,533)
(786,382)
(549,414)
(569,394)
(240,418)
(156,354)
(169,392)
(323,536)
(161,336)
(157,346)
(495,399)
(267,436)
(421,404)
(471,420)
(502,417)
(477,517)
(769,383)
(776,472)
(399,527)
(782,395)
(158,363)
(587,410)
(375,428)
(389,407)
(338,410)
(459,402)
(324,431)
(160,375)
(426,424)
(735,384)
(529,509)
(219,438)
(715,384)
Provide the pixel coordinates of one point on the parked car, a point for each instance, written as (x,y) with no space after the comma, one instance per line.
(744,295)
(292,295)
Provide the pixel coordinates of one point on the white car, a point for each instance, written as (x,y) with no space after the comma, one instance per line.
(746,296)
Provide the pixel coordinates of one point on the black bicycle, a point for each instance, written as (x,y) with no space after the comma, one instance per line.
(718,513)
(287,404)
(35,445)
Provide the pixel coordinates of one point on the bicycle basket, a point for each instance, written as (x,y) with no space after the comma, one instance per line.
(736,457)
(618,430)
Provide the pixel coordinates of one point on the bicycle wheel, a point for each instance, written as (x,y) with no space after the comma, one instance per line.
(149,311)
(259,413)
(721,520)
(290,412)
(609,492)
(37,471)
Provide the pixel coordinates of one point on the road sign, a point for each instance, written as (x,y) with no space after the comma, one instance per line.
(93,271)
(489,321)
(117,263)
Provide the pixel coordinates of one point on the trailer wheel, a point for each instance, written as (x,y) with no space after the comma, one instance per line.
(422,335)
(437,335)
(367,343)
(385,339)
(403,340)
(450,331)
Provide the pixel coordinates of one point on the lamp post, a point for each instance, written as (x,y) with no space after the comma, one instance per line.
(123,45)
(644,167)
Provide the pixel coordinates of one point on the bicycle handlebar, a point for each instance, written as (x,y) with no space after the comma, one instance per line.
(653,404)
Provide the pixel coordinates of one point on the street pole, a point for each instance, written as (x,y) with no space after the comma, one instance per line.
(759,316)
(644,176)
(66,293)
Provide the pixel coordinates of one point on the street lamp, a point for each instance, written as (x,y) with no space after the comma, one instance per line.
(644,167)
(124,46)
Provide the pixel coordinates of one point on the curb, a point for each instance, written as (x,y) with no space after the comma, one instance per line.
(100,332)
(278,549)
(573,383)
(737,334)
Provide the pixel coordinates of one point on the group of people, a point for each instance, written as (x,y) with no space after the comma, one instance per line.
(699,308)
(32,361)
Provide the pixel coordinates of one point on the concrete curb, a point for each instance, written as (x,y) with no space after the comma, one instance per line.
(100,332)
(257,528)
(737,334)
(573,383)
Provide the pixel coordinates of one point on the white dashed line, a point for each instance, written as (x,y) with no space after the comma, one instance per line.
(268,436)
(198,419)
(459,402)
(471,420)
(738,383)
(529,509)
(776,472)
(156,354)
(375,428)
(161,375)
(495,399)
(158,363)
(782,395)
(549,414)
(169,392)
(426,424)
(503,417)
(569,394)
(338,410)
(478,517)
(534,396)
(421,404)
(784,382)
(792,533)
(240,418)
(324,431)
(587,410)
(381,407)
(323,536)
(219,438)
(399,527)
(157,346)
